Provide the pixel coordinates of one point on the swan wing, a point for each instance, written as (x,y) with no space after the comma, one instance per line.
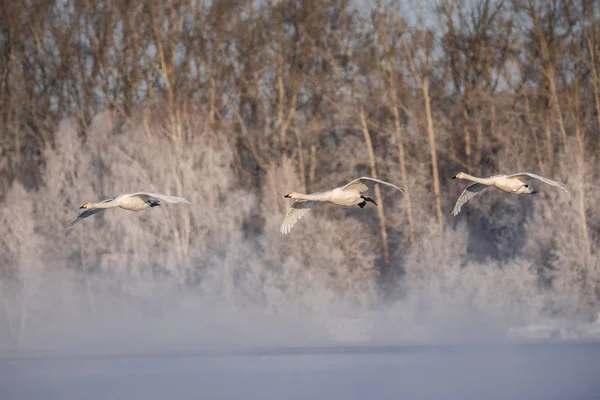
(109,199)
(356,185)
(86,213)
(296,212)
(526,176)
(360,184)
(467,195)
(158,196)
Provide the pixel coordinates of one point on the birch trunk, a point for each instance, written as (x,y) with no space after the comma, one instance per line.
(401,156)
(380,212)
(433,152)
(423,82)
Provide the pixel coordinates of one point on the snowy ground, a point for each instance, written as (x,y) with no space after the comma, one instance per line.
(534,370)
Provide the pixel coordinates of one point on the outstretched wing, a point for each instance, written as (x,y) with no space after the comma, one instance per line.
(467,195)
(157,196)
(296,212)
(359,184)
(85,214)
(526,176)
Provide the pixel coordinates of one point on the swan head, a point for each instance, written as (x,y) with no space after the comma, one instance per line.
(85,205)
(458,176)
(290,195)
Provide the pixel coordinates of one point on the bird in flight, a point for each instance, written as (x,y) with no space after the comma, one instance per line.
(515,183)
(133,202)
(348,195)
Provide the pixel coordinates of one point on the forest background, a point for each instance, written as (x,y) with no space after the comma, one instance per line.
(233,104)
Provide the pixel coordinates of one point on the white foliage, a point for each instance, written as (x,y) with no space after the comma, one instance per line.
(325,271)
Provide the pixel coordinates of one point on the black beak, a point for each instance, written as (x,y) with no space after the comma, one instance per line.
(366,198)
(287,196)
(81,207)
(454,177)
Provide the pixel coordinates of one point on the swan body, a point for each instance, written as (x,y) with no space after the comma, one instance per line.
(347,196)
(133,202)
(514,183)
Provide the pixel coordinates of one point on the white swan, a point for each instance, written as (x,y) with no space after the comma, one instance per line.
(133,201)
(514,183)
(347,195)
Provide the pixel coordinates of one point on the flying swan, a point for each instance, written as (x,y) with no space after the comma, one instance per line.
(515,184)
(133,202)
(348,195)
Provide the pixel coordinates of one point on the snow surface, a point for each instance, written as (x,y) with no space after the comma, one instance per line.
(535,370)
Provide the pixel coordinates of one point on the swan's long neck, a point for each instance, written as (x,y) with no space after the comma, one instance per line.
(108,204)
(312,197)
(484,181)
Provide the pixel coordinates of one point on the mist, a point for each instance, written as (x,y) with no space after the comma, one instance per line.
(104,338)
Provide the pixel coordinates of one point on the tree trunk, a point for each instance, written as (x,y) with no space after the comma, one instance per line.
(549,143)
(433,151)
(401,157)
(529,121)
(585,236)
(301,165)
(423,81)
(313,165)
(493,117)
(595,84)
(536,146)
(574,104)
(467,134)
(555,104)
(383,33)
(479,134)
(212,101)
(380,212)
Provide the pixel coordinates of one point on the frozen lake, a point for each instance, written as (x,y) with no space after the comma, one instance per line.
(563,370)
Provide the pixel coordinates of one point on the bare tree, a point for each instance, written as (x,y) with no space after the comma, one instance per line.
(477,41)
(373,167)
(545,41)
(388,33)
(422,43)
